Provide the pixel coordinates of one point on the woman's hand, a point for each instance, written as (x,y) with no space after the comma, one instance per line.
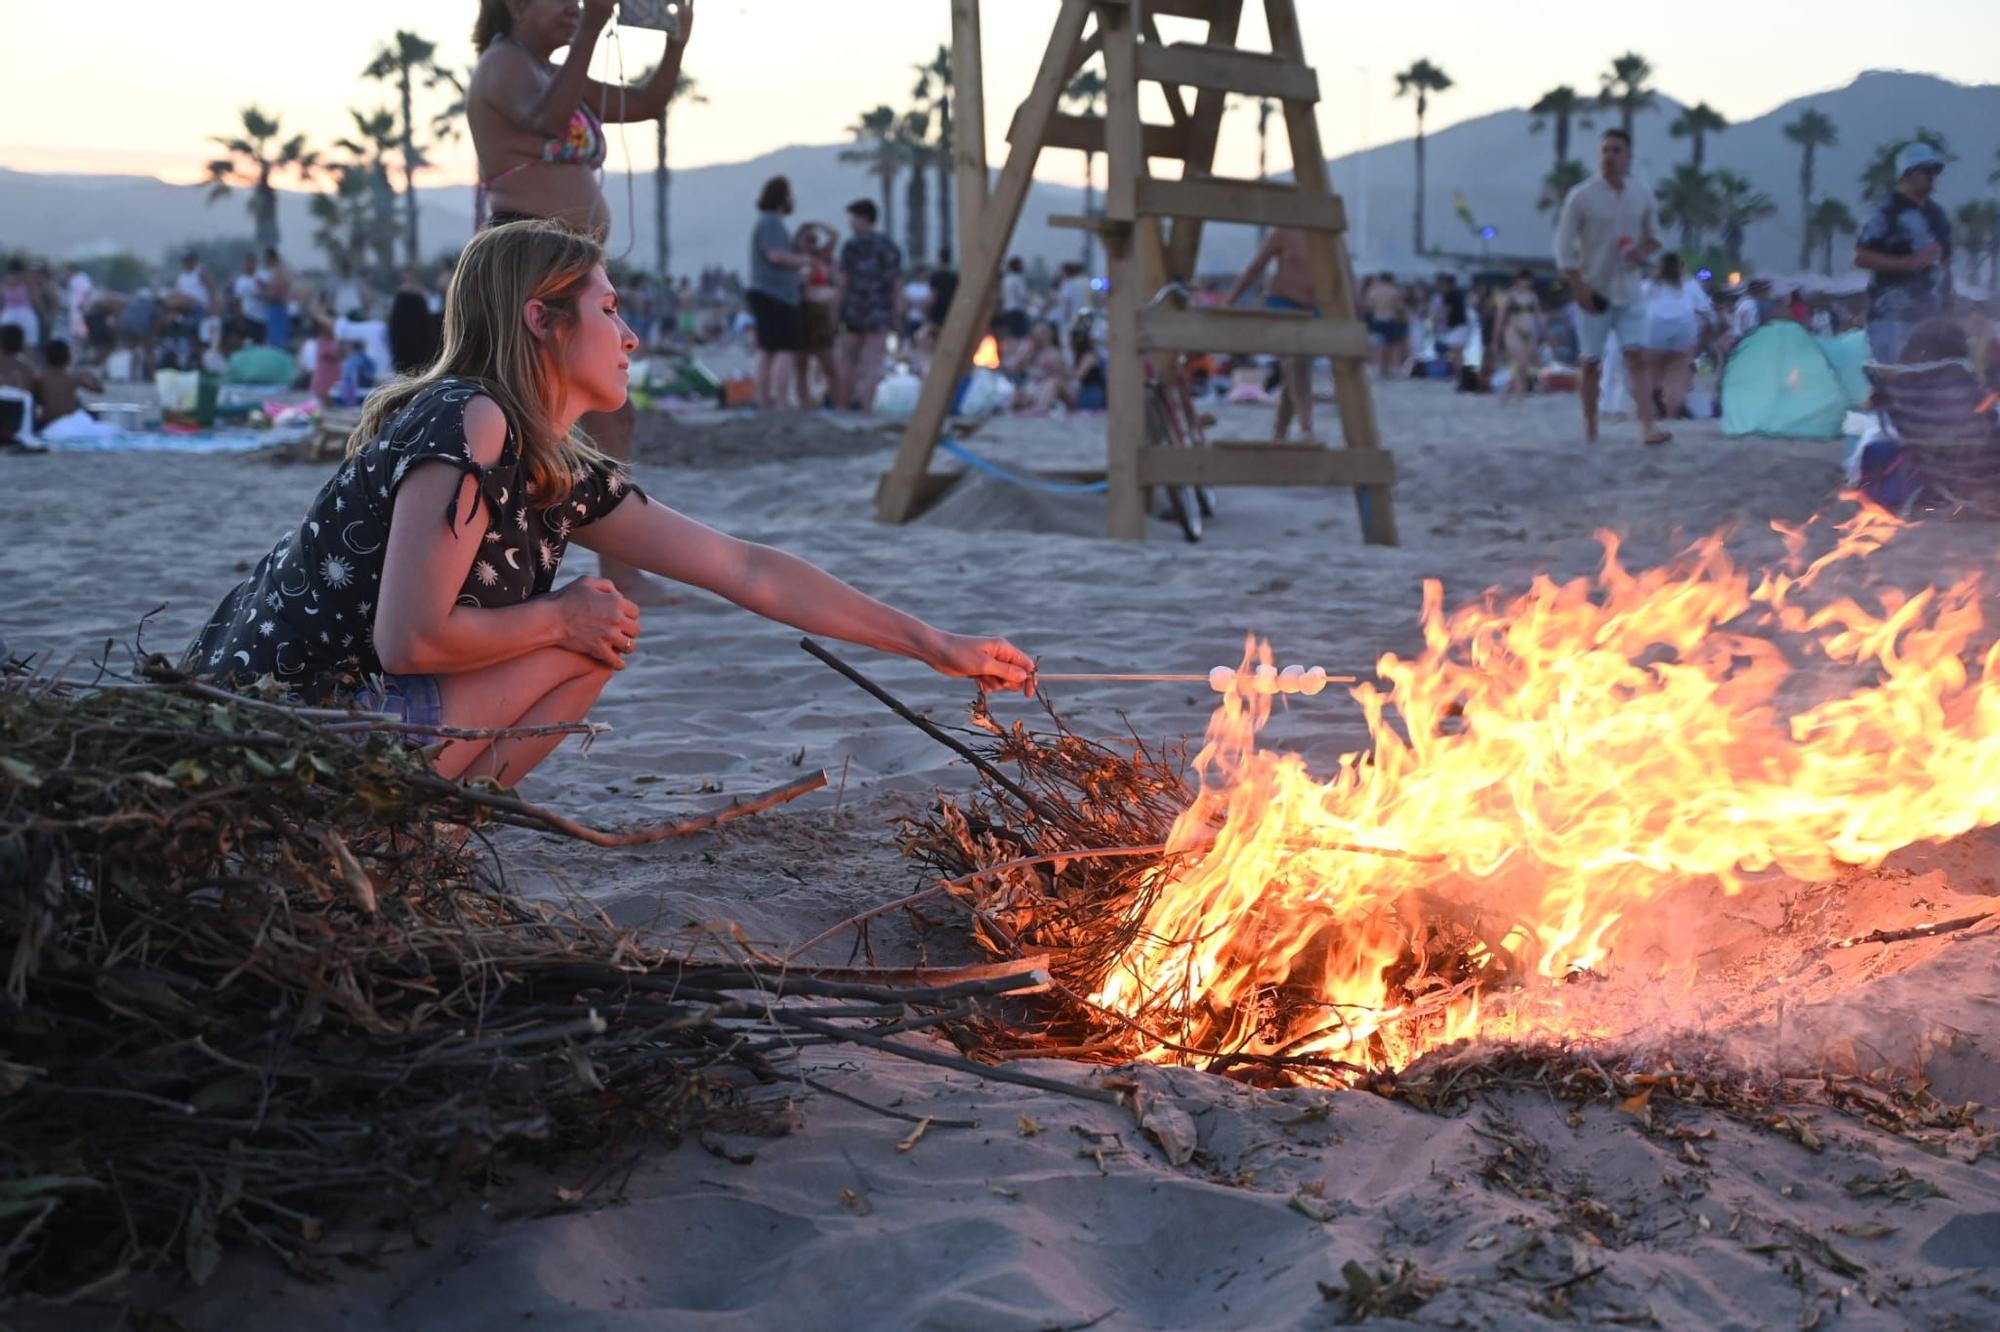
(997,665)
(597,13)
(687,23)
(599,623)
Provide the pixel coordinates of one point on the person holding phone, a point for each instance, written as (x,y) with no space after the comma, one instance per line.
(1605,242)
(538,131)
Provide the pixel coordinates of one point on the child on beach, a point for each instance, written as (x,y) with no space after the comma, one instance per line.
(422,579)
(819,307)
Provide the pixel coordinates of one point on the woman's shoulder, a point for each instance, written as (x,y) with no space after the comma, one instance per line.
(444,414)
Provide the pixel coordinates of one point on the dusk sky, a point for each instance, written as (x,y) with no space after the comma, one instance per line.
(138,85)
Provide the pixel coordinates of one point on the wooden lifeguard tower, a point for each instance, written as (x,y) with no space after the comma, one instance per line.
(1151,228)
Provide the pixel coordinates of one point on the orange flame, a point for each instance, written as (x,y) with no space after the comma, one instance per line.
(988,355)
(1543,770)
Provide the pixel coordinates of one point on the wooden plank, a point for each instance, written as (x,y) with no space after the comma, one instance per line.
(1227,69)
(1187,9)
(1256,202)
(1086,134)
(895,501)
(968,72)
(1225,21)
(1266,464)
(1097,222)
(1125,405)
(1333,278)
(1251,333)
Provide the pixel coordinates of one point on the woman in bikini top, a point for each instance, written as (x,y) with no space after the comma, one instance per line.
(538,127)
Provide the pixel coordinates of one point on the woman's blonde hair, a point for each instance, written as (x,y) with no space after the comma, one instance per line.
(488,344)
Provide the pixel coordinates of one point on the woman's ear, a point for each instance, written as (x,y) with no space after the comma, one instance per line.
(539,319)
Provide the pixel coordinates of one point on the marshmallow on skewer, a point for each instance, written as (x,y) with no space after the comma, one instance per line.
(1270,680)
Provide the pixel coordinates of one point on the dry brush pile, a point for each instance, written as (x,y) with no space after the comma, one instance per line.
(254,972)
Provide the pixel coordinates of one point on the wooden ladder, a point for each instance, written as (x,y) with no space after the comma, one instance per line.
(1151,228)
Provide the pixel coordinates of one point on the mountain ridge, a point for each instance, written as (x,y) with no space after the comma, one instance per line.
(1492,159)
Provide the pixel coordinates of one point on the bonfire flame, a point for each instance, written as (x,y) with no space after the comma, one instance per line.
(1554,764)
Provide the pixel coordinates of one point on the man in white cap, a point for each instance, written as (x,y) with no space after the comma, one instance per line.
(1906,248)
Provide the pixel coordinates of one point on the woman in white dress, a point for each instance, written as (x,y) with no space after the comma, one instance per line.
(1677,312)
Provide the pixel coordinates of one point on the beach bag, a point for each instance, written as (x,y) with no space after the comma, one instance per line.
(268,367)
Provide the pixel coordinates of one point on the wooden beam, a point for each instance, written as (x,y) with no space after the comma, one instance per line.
(1086,134)
(979,271)
(1229,70)
(1096,222)
(1262,204)
(1225,21)
(1333,278)
(1251,333)
(1125,163)
(1266,464)
(968,73)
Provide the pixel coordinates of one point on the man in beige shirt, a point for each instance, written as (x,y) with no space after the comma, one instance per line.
(1603,243)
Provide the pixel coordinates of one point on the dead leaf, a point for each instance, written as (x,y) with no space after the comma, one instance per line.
(568,1195)
(1028,1127)
(1636,1103)
(1001,1192)
(1169,1126)
(1313,1207)
(1864,1229)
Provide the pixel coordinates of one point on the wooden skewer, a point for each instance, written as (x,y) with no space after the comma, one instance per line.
(1178,679)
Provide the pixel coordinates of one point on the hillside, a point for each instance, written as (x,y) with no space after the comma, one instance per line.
(1494,160)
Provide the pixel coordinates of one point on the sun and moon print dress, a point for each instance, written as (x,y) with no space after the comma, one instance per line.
(305,616)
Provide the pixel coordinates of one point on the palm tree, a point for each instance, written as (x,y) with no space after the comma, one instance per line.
(1562,178)
(1737,205)
(372,194)
(1626,86)
(399,62)
(1695,124)
(1812,131)
(1559,106)
(1422,78)
(876,148)
(251,162)
(933,93)
(1829,218)
(1688,200)
(684,91)
(913,140)
(1879,177)
(1086,95)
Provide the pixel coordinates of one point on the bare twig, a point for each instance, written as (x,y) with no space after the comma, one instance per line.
(928,727)
(547,818)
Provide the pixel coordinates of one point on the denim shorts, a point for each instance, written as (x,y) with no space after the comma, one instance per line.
(1592,327)
(413,698)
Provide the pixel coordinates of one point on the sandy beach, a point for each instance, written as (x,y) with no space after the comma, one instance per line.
(1052,1212)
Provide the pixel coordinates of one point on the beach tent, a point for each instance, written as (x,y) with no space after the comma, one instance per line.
(1781,380)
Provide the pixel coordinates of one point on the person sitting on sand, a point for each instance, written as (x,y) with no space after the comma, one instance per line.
(60,390)
(1041,374)
(422,579)
(1086,371)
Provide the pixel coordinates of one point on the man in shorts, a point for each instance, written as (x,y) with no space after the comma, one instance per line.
(1604,242)
(871,269)
(1388,314)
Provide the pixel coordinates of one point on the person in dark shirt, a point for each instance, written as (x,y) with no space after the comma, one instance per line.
(1906,248)
(871,283)
(422,580)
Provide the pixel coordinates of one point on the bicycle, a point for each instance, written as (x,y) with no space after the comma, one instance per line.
(1172,421)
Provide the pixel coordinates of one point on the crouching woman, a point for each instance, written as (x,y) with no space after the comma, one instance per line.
(421,581)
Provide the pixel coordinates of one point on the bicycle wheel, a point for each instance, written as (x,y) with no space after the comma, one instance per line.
(1188,428)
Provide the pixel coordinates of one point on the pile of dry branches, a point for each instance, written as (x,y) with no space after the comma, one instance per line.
(251,972)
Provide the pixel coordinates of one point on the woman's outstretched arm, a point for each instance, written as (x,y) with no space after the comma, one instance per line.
(785,588)
(618,102)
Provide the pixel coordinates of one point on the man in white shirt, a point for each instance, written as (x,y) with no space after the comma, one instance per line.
(1604,241)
